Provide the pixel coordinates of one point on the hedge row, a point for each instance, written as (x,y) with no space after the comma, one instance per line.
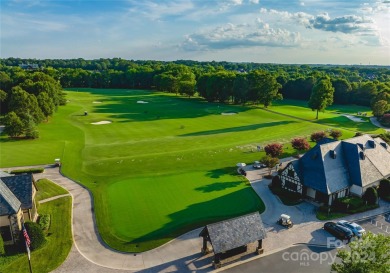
(31,170)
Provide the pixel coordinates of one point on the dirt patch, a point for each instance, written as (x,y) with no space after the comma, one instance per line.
(101,122)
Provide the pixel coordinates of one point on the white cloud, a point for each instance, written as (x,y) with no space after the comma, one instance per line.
(241,35)
(254,1)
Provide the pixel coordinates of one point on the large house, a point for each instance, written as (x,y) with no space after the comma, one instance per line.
(17,204)
(333,169)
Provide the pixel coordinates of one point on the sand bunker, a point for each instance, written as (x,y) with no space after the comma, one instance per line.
(355,119)
(141,101)
(101,122)
(97,102)
(228,113)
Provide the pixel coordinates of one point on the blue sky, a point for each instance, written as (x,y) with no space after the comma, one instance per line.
(312,31)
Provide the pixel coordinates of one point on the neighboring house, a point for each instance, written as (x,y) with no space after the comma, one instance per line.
(333,169)
(17,204)
(29,66)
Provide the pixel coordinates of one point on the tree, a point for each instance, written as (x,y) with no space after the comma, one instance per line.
(13,125)
(46,104)
(300,144)
(263,87)
(37,237)
(335,133)
(384,188)
(317,136)
(368,255)
(371,196)
(269,162)
(321,95)
(30,128)
(379,108)
(274,149)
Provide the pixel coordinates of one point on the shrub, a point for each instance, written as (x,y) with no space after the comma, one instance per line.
(2,250)
(384,188)
(335,133)
(371,196)
(31,170)
(34,231)
(44,221)
(300,144)
(273,149)
(317,136)
(385,120)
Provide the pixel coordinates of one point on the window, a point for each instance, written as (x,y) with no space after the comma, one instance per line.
(291,173)
(291,185)
(6,233)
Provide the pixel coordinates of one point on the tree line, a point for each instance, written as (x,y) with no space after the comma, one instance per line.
(27,98)
(226,82)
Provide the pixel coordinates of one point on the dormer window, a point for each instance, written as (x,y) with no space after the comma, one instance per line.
(361,146)
(362,155)
(372,143)
(333,154)
(384,144)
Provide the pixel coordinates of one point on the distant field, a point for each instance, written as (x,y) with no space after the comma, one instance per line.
(165,164)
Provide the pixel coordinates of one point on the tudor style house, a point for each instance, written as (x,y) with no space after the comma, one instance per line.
(333,169)
(17,204)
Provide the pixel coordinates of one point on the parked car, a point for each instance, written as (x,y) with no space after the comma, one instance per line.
(355,228)
(258,165)
(338,231)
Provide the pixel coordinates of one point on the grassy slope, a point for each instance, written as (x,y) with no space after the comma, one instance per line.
(47,189)
(56,249)
(148,168)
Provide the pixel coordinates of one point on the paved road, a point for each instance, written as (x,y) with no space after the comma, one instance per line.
(296,259)
(305,258)
(375,121)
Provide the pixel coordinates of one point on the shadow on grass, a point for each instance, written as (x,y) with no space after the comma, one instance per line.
(239,128)
(197,215)
(220,186)
(217,173)
(124,105)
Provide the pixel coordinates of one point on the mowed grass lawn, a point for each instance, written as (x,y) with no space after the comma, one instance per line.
(59,242)
(165,164)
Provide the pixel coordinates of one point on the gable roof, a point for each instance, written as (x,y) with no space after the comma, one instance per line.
(4,174)
(21,187)
(332,166)
(9,204)
(235,232)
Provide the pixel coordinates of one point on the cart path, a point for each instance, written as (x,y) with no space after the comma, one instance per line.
(53,198)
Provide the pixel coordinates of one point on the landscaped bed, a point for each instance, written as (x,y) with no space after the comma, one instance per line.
(159,169)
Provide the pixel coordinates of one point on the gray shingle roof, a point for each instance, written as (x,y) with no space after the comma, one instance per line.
(4,174)
(235,232)
(9,204)
(21,187)
(333,166)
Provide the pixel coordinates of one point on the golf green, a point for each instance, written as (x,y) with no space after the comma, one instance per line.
(159,165)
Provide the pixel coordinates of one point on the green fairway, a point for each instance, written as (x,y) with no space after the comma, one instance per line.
(165,164)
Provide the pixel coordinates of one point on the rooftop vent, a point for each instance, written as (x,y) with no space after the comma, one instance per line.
(333,154)
(361,146)
(384,144)
(362,155)
(372,143)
